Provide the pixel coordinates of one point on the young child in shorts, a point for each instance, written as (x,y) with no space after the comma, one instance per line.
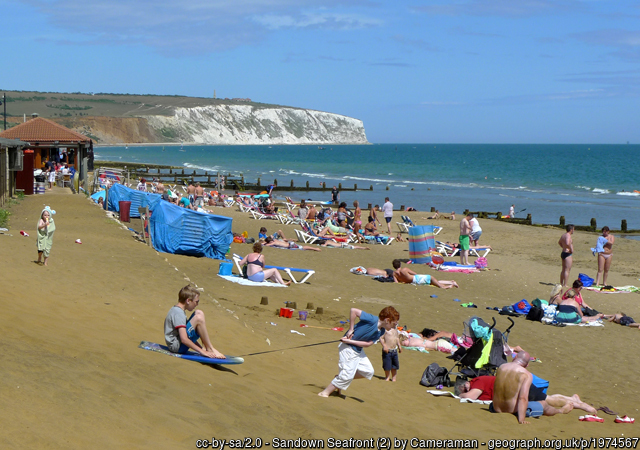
(353,362)
(181,334)
(390,349)
(622,319)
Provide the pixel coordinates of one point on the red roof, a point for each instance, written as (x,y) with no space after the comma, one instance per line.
(43,130)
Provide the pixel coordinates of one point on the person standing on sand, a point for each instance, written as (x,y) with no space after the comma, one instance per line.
(605,256)
(465,230)
(373,215)
(476,231)
(511,392)
(191,192)
(46,228)
(199,196)
(353,362)
(357,221)
(390,348)
(387,212)
(335,195)
(512,212)
(566,243)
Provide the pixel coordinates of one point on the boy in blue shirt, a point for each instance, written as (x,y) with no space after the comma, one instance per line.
(353,362)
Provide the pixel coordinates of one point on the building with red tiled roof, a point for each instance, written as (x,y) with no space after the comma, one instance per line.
(50,141)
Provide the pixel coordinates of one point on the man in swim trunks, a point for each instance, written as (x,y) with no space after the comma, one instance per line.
(406,275)
(566,243)
(511,392)
(481,388)
(199,191)
(465,230)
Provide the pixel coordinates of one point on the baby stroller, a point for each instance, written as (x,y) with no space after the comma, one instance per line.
(487,352)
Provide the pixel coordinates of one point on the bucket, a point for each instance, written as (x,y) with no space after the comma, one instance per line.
(302,315)
(225,268)
(125,208)
(39,188)
(286,312)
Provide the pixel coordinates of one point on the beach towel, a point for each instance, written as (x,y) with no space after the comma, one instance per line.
(617,289)
(597,323)
(243,281)
(462,400)
(599,248)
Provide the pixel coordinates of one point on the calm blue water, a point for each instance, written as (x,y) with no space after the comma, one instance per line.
(547,181)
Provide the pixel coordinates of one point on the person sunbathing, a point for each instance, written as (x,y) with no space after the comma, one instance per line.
(278,243)
(415,340)
(331,230)
(622,319)
(406,275)
(372,271)
(370,228)
(330,243)
(570,311)
(475,247)
(435,216)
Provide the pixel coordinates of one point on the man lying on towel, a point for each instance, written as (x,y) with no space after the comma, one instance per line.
(511,393)
(279,243)
(481,388)
(405,275)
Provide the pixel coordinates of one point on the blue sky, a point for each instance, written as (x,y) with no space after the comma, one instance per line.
(445,71)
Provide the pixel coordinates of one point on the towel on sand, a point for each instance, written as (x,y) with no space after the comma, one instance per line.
(245,282)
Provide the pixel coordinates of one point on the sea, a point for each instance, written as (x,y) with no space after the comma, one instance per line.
(579,182)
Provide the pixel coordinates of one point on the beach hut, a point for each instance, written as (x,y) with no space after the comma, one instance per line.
(11,161)
(50,141)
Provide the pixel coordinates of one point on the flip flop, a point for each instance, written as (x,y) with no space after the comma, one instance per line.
(590,418)
(606,410)
(624,419)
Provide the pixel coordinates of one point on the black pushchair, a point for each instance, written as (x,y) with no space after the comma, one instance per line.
(470,362)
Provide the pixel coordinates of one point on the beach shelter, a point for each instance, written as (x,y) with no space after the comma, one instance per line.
(138,199)
(187,232)
(421,243)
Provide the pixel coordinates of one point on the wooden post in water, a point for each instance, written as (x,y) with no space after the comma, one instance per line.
(623,225)
(340,186)
(562,221)
(355,187)
(593,224)
(529,218)
(291,183)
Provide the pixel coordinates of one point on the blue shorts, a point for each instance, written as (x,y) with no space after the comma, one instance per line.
(258,277)
(388,219)
(476,236)
(534,409)
(390,360)
(192,334)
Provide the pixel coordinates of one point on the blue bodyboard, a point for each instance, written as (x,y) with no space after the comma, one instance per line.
(191,356)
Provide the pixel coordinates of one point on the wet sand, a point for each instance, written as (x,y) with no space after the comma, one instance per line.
(73,376)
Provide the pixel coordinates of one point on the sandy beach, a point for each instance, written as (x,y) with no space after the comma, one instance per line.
(74,377)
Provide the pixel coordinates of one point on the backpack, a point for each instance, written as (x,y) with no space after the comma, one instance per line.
(435,375)
(586,280)
(535,313)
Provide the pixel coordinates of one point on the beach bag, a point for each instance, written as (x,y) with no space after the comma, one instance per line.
(522,307)
(535,314)
(225,269)
(586,280)
(435,375)
(539,303)
(481,263)
(590,312)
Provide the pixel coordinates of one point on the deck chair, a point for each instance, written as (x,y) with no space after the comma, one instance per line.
(476,251)
(308,273)
(290,204)
(405,224)
(469,362)
(380,239)
(312,238)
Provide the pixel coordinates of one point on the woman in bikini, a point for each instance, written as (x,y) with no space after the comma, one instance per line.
(357,221)
(605,257)
(255,267)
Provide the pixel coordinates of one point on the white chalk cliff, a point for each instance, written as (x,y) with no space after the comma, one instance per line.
(257,125)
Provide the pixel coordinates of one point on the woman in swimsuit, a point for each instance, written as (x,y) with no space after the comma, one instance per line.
(570,311)
(357,221)
(605,257)
(255,267)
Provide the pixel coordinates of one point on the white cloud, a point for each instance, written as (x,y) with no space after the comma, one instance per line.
(198,26)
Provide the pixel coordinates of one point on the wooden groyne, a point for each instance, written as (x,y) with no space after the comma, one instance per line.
(592,227)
